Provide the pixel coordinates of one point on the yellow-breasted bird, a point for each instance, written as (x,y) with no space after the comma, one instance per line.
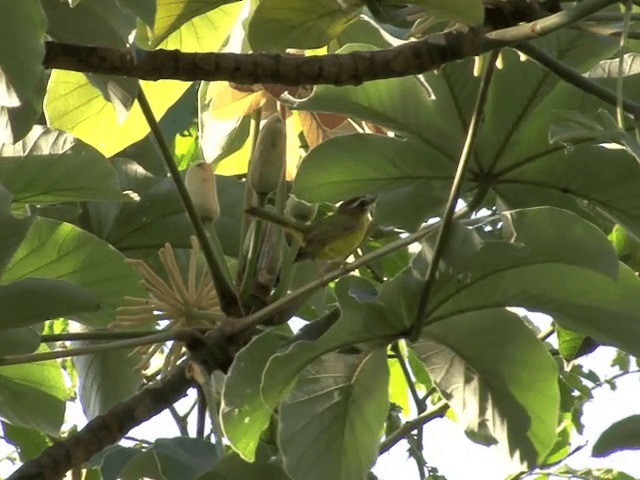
(331,238)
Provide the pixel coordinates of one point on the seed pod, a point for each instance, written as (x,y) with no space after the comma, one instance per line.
(201,185)
(299,210)
(269,157)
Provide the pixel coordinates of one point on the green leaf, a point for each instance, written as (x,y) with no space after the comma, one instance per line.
(23,24)
(33,396)
(89,22)
(529,268)
(621,435)
(74,105)
(172,14)
(180,457)
(112,460)
(281,24)
(498,378)
(409,105)
(106,378)
(338,406)
(49,166)
(62,251)
(205,32)
(29,443)
(12,230)
(398,387)
(143,9)
(360,322)
(359,164)
(463,11)
(34,300)
(233,467)
(243,414)
(142,227)
(14,341)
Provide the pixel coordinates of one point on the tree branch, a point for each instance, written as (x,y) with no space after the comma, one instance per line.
(336,69)
(215,353)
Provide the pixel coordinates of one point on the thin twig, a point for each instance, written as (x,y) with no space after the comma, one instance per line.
(420,405)
(436,412)
(454,195)
(181,422)
(181,335)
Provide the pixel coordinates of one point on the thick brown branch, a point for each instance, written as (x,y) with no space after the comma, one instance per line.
(109,428)
(349,69)
(352,69)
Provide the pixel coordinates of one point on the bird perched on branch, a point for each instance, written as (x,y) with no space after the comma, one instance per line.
(331,238)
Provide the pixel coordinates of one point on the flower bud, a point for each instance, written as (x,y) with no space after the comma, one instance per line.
(269,158)
(299,210)
(201,185)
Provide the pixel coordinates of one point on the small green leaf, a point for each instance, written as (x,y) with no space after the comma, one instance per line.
(332,421)
(232,466)
(244,415)
(621,435)
(168,458)
(21,70)
(14,341)
(12,230)
(106,378)
(30,443)
(33,396)
(34,300)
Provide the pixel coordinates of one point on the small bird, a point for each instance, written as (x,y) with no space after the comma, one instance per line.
(331,238)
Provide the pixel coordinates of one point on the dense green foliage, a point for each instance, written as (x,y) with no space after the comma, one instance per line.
(548,222)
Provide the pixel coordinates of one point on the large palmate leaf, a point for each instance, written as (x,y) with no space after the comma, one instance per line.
(498,378)
(141,227)
(514,157)
(281,24)
(49,166)
(360,164)
(74,104)
(338,407)
(61,251)
(360,322)
(33,396)
(170,15)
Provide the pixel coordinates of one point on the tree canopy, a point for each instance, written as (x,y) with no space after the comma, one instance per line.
(410,182)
